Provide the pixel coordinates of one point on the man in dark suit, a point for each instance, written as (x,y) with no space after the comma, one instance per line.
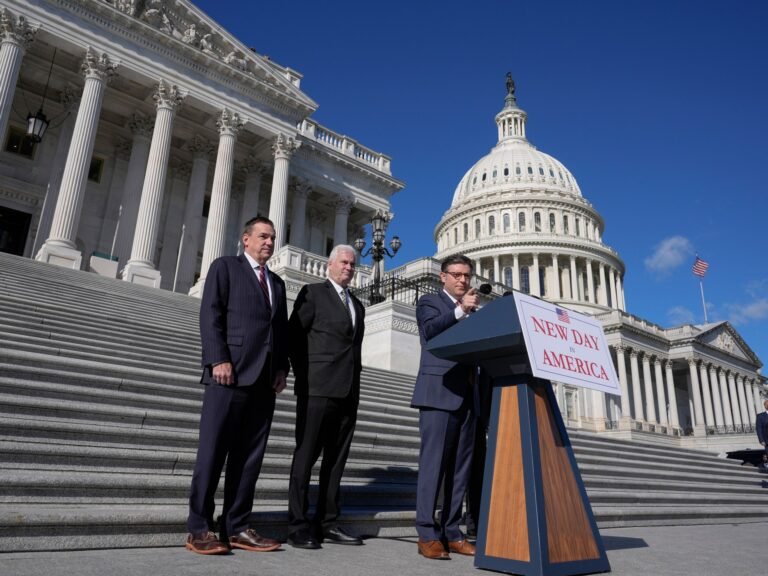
(444,396)
(244,334)
(762,427)
(326,333)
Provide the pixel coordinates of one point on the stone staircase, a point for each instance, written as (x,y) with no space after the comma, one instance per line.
(99,404)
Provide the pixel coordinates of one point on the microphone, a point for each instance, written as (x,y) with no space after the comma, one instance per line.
(485,289)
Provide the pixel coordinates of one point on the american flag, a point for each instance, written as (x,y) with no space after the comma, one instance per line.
(562,315)
(700,267)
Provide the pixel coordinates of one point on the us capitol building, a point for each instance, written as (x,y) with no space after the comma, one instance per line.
(138,135)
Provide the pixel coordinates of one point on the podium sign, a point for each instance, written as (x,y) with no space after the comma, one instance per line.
(566,346)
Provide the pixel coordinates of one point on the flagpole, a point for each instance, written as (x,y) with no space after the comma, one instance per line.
(703,303)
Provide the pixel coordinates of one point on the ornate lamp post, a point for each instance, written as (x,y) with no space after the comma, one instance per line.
(378,251)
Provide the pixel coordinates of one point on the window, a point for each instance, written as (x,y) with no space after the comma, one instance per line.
(506,171)
(552,223)
(530,170)
(483,178)
(517,170)
(477,228)
(551,173)
(19,143)
(491,225)
(474,180)
(565,224)
(95,169)
(494,174)
(466,232)
(578,227)
(455,236)
(505,220)
(541,171)
(521,222)
(508,276)
(525,284)
(542,281)
(537,221)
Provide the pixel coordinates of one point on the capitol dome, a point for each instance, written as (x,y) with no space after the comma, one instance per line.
(518,211)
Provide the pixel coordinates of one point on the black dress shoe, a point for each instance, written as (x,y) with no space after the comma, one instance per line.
(303,539)
(338,535)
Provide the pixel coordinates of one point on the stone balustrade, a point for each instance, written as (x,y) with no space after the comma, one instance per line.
(347,146)
(291,261)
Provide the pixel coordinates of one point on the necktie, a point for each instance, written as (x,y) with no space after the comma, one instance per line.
(263,282)
(345,299)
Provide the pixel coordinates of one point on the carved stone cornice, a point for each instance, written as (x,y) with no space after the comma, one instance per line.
(301,187)
(15,30)
(167,96)
(123,149)
(251,166)
(200,147)
(141,126)
(182,170)
(229,123)
(284,146)
(98,66)
(69,96)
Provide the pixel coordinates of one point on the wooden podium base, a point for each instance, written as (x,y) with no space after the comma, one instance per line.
(535,517)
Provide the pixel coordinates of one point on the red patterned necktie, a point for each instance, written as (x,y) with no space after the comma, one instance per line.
(263,281)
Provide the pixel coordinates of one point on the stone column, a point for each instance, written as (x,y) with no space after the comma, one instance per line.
(746,417)
(555,278)
(317,222)
(301,190)
(590,296)
(515,272)
(603,296)
(574,279)
(674,418)
(716,401)
(233,240)
(69,98)
(60,248)
(533,276)
(612,281)
(496,269)
(650,409)
(140,269)
(283,148)
(698,414)
(254,172)
(215,234)
(343,205)
(113,209)
(706,396)
(15,37)
(620,293)
(141,127)
(169,256)
(622,370)
(757,397)
(637,395)
(737,420)
(193,213)
(727,409)
(660,396)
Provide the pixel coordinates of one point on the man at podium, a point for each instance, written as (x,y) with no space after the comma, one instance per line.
(444,396)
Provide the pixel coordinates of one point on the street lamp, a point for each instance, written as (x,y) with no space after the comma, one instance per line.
(377,251)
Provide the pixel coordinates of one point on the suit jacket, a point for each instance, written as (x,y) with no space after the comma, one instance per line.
(325,348)
(237,324)
(441,384)
(762,427)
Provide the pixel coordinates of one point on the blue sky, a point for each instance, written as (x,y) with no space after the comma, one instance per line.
(658,108)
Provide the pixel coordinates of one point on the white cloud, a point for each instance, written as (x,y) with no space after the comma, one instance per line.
(749,312)
(680,315)
(669,254)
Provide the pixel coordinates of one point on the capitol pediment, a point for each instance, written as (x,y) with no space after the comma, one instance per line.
(182,20)
(725,338)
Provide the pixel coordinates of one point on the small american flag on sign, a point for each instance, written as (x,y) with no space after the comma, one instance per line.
(700,267)
(562,315)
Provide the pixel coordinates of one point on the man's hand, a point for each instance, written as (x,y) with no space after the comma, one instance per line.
(222,374)
(470,301)
(280,382)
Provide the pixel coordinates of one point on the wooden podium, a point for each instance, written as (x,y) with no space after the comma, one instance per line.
(535,517)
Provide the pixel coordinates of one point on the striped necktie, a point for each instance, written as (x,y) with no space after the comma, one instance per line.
(261,274)
(345,299)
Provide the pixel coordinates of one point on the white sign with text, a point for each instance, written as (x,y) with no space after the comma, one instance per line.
(566,346)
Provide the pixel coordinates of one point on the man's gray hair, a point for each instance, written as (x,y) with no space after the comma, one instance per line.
(341,248)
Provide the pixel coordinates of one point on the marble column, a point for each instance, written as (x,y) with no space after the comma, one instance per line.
(317,223)
(343,206)
(113,209)
(612,281)
(497,269)
(622,370)
(706,396)
(140,269)
(620,293)
(746,417)
(637,394)
(737,420)
(233,238)
(574,280)
(603,296)
(590,296)
(716,402)
(283,149)
(60,248)
(301,191)
(169,256)
(193,213)
(650,408)
(759,406)
(660,396)
(555,278)
(727,408)
(254,173)
(215,234)
(515,272)
(69,99)
(674,418)
(15,36)
(698,411)
(141,127)
(533,276)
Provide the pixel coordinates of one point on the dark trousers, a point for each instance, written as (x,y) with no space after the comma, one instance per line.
(475,484)
(445,457)
(234,425)
(322,425)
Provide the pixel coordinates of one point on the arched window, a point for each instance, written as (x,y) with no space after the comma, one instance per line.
(541,171)
(525,284)
(517,170)
(521,222)
(505,220)
(552,223)
(565,224)
(506,171)
(474,180)
(483,177)
(537,221)
(466,232)
(477,228)
(455,236)
(508,276)
(491,225)
(494,173)
(578,227)
(530,170)
(542,281)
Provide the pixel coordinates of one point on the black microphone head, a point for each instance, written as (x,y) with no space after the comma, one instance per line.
(485,289)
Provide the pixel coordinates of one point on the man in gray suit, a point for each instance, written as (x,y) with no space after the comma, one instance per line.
(761,424)
(444,396)
(244,335)
(326,333)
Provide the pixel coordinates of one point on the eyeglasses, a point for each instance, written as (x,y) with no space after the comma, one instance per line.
(459,275)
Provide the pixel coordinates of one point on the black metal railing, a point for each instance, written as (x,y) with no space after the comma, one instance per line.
(403,290)
(731,429)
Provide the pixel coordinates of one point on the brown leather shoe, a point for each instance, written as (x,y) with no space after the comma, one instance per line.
(462,547)
(206,543)
(433,549)
(250,540)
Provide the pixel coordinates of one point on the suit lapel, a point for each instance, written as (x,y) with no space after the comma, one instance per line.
(254,282)
(333,295)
